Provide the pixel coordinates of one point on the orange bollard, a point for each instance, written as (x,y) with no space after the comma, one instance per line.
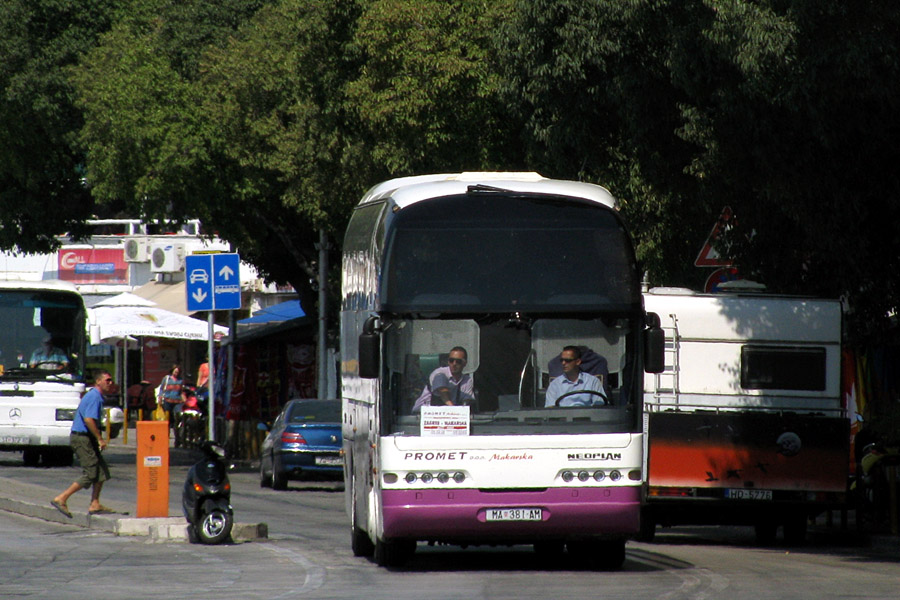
(152,469)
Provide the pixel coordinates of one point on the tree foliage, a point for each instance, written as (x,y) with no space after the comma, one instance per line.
(268,118)
(784,110)
(40,166)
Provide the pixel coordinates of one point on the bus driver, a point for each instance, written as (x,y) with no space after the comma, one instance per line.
(448,386)
(573,380)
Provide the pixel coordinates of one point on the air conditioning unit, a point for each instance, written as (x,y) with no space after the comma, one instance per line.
(137,249)
(166,257)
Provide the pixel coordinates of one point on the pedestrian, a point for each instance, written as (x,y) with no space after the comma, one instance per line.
(87,442)
(171,391)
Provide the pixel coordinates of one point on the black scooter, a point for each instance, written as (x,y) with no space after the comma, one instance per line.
(206,500)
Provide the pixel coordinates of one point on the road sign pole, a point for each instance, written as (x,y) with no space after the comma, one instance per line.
(211,382)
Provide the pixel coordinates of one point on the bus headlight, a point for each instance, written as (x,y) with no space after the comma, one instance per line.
(615,475)
(599,475)
(583,475)
(459,477)
(427,477)
(411,478)
(568,476)
(65,414)
(443,477)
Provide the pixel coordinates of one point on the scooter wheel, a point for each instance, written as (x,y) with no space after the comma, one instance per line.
(215,527)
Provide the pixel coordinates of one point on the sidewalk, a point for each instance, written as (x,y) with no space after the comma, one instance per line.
(33,499)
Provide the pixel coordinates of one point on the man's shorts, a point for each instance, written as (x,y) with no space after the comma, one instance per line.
(93,466)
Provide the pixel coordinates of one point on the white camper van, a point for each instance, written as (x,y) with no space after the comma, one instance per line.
(746,424)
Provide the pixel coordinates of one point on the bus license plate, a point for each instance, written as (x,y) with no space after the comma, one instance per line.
(748,494)
(331,461)
(514,514)
(14,439)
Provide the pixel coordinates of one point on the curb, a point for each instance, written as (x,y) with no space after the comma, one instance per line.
(156,528)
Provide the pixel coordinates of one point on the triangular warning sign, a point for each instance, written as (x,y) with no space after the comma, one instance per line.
(708,256)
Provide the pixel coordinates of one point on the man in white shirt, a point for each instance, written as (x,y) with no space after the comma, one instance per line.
(448,386)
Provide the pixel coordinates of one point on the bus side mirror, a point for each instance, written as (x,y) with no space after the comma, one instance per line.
(654,345)
(370,350)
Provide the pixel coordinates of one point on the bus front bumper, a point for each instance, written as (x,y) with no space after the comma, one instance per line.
(471,514)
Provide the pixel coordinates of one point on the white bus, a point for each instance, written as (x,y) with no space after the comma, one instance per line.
(42,348)
(746,424)
(502,270)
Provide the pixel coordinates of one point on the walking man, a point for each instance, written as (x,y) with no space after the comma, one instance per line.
(87,443)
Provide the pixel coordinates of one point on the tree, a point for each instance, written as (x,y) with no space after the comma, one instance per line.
(784,110)
(427,94)
(42,188)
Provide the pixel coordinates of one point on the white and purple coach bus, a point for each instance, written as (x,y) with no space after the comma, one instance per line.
(459,293)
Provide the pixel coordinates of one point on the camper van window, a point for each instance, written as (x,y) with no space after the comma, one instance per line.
(782,368)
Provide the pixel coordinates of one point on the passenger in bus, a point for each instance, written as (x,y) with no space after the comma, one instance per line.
(48,356)
(573,379)
(448,386)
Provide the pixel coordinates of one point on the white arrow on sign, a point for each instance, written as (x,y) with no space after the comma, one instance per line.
(226,272)
(199,295)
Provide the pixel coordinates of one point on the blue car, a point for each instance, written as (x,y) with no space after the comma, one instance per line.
(304,440)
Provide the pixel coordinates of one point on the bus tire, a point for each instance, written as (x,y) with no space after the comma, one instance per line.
(647,531)
(31,457)
(604,555)
(360,542)
(394,553)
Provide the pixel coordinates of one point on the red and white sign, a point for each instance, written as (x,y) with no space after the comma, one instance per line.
(708,256)
(93,265)
(444,421)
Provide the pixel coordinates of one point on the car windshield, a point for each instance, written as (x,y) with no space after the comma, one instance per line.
(315,411)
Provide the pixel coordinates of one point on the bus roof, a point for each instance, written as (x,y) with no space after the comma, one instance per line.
(46,284)
(409,190)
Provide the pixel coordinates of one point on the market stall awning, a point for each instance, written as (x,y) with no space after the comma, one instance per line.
(283,311)
(167,296)
(127,315)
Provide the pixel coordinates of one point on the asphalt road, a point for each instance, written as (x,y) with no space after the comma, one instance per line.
(307,555)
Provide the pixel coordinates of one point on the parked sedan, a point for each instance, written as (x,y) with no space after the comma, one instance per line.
(304,440)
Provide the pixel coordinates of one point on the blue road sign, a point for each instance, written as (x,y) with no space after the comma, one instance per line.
(213,281)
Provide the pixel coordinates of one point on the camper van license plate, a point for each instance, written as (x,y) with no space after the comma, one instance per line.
(748,494)
(514,514)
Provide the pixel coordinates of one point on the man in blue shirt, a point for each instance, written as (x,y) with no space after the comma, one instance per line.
(574,380)
(87,443)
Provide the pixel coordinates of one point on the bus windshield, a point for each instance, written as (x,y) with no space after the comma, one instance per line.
(497,252)
(507,368)
(43,334)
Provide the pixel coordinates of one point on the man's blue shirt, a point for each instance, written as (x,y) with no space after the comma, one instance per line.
(90,407)
(562,385)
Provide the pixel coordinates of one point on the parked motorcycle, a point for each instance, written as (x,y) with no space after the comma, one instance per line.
(206,500)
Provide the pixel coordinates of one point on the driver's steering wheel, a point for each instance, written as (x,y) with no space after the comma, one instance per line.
(575,392)
(56,365)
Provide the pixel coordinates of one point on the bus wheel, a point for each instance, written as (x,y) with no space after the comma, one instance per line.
(360,542)
(648,528)
(394,553)
(606,555)
(31,457)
